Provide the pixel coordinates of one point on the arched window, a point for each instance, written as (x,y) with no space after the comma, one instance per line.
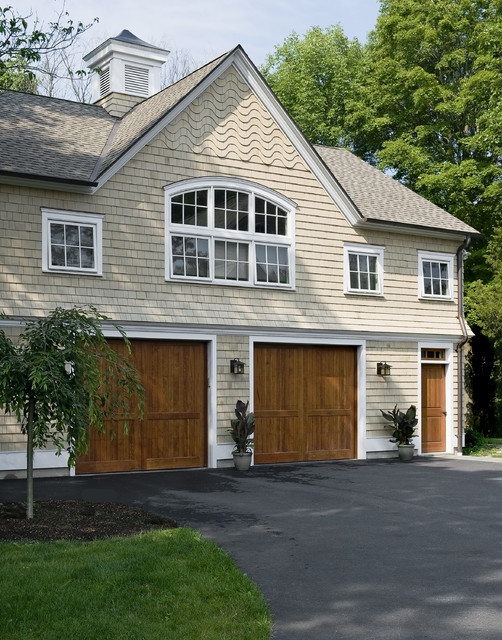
(227,231)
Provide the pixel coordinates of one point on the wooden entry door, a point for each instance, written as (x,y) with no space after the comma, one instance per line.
(305,402)
(433,408)
(173,431)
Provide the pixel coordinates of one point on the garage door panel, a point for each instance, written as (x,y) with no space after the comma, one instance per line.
(173,431)
(167,442)
(111,454)
(330,435)
(320,383)
(277,439)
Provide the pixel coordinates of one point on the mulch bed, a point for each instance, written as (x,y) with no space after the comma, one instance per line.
(76,520)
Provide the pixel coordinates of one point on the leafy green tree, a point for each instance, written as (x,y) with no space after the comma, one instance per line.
(18,77)
(423,101)
(62,378)
(23,45)
(315,77)
(430,107)
(484,310)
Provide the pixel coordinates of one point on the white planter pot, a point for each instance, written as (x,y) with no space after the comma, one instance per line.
(242,461)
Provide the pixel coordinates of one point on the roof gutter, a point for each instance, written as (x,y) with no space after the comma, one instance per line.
(47,182)
(459,347)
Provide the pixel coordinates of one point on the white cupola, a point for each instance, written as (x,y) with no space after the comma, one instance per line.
(129,72)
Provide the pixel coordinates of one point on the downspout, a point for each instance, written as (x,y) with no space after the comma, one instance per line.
(459,347)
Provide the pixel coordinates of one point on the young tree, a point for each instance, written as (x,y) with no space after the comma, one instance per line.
(62,378)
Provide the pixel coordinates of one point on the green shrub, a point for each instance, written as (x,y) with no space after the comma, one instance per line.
(474,440)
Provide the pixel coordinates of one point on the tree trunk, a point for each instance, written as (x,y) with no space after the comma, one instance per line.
(29,460)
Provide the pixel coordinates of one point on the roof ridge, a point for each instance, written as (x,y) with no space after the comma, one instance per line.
(42,96)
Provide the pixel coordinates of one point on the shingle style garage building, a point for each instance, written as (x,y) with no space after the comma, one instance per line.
(201,220)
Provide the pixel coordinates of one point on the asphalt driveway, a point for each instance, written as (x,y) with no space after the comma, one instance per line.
(376,550)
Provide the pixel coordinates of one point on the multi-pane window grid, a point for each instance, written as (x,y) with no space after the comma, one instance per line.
(232,210)
(436,278)
(272,265)
(190,256)
(433,354)
(363,272)
(231,260)
(190,208)
(270,218)
(72,246)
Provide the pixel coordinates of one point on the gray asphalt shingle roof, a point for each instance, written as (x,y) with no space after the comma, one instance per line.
(45,137)
(69,141)
(59,140)
(380,198)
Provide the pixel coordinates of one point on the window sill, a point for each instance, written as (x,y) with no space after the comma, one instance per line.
(224,283)
(73,272)
(436,299)
(366,294)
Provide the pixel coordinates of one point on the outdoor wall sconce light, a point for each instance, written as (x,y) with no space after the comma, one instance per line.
(383,369)
(236,366)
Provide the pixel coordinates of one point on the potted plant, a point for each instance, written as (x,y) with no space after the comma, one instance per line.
(242,428)
(403,425)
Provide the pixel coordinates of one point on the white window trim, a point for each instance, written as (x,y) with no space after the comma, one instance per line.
(434,256)
(367,250)
(212,233)
(68,217)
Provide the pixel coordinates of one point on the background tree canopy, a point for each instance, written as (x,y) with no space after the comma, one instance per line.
(421,100)
(23,45)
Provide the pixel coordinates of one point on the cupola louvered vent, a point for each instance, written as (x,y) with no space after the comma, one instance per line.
(136,80)
(104,82)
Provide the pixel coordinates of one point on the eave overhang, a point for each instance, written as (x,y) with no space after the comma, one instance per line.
(47,182)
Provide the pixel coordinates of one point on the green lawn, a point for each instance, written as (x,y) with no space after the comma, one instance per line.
(488,447)
(164,585)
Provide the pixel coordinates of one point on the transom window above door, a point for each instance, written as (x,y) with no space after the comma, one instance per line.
(227,231)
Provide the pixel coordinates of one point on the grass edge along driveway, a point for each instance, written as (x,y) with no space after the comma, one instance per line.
(163,584)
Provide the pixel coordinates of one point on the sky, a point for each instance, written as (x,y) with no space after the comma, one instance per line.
(208,28)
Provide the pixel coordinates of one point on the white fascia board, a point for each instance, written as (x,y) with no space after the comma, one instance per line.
(41,183)
(177,331)
(413,230)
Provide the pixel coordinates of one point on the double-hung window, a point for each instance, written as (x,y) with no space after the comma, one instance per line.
(229,232)
(71,242)
(363,269)
(435,275)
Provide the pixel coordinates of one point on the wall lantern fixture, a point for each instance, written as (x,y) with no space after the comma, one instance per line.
(383,369)
(236,366)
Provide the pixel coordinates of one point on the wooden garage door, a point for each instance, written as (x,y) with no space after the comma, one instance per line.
(305,402)
(173,430)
